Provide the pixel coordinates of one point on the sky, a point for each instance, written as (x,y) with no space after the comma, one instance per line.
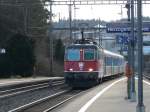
(104,12)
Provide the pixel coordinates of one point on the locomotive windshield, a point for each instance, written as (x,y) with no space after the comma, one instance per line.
(73,54)
(88,54)
(81,52)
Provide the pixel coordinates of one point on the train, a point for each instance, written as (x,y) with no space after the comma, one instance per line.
(146,61)
(87,64)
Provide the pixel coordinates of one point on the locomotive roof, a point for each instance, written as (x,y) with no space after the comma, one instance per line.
(112,54)
(83,46)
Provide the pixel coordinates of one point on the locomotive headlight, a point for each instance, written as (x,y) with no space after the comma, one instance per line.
(90,69)
(70,69)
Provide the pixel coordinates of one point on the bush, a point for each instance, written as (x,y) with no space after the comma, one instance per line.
(4,66)
(59,50)
(20,56)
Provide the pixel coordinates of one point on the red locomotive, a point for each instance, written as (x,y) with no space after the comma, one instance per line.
(86,63)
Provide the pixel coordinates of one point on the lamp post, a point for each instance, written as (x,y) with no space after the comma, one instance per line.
(133,93)
(70,20)
(51,39)
(75,8)
(129,53)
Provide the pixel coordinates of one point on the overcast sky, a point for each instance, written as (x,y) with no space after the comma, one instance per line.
(104,12)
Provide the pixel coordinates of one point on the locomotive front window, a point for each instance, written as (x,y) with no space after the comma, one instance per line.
(89,54)
(73,55)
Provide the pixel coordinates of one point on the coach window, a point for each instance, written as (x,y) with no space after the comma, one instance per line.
(108,61)
(115,62)
(89,54)
(73,55)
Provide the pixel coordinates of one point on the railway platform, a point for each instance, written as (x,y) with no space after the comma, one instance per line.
(109,97)
(113,99)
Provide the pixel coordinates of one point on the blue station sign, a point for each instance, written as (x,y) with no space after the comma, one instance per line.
(125,27)
(121,39)
(125,48)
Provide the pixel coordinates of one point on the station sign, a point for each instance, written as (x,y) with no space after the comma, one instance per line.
(125,48)
(121,39)
(124,27)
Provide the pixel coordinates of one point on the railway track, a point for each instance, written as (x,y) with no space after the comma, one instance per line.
(16,95)
(52,101)
(49,103)
(21,89)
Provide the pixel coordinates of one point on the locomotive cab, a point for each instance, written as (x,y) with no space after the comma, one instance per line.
(86,63)
(82,65)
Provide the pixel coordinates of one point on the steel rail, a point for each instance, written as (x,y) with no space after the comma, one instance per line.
(43,100)
(21,108)
(21,92)
(64,101)
(28,89)
(66,97)
(11,90)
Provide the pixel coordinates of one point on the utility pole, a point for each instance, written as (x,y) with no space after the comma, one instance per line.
(70,21)
(25,20)
(74,16)
(82,34)
(140,105)
(129,52)
(59,16)
(133,93)
(100,37)
(51,38)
